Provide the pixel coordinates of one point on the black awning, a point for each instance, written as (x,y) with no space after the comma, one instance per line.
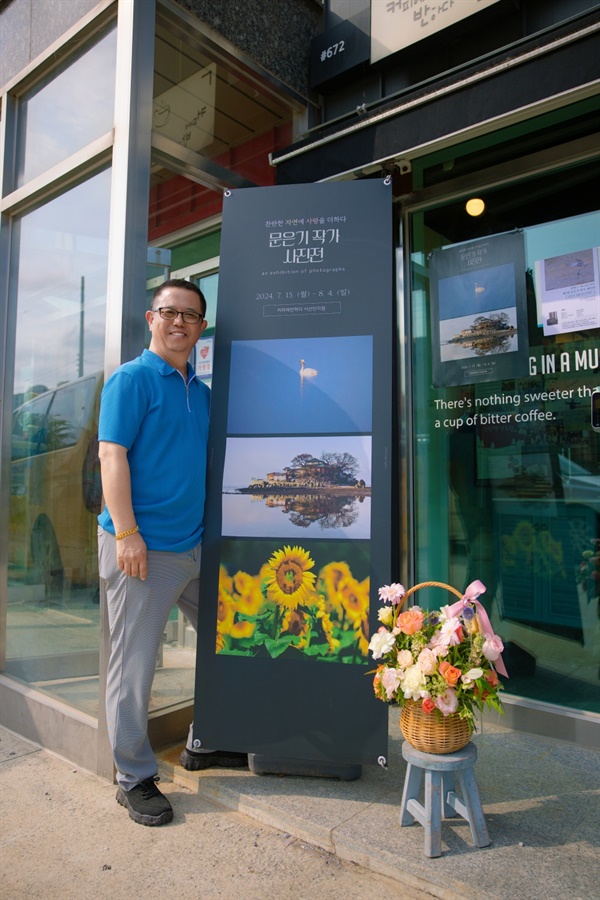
(442,109)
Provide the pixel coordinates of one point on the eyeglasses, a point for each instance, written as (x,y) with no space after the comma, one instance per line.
(189,316)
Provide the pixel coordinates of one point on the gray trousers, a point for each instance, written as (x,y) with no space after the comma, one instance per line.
(137,616)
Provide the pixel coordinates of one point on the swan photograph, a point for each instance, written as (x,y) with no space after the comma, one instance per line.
(301,385)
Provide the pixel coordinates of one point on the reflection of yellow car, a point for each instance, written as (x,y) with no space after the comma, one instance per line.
(55,490)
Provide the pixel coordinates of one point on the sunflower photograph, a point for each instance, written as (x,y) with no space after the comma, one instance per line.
(294,600)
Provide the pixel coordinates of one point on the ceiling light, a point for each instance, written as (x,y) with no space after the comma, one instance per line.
(475,206)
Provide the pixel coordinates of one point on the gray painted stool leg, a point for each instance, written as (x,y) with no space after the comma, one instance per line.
(433,813)
(412,783)
(474,812)
(447,787)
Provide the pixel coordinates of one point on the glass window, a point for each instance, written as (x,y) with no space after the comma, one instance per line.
(29,427)
(60,264)
(206,102)
(67,110)
(507,472)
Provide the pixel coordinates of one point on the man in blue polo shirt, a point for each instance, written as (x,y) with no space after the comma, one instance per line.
(152,431)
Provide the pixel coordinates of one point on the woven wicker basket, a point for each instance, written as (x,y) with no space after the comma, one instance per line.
(426,731)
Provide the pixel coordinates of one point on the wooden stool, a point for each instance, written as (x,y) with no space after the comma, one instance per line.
(440,770)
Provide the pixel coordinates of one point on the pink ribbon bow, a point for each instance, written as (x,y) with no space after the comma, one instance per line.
(470,597)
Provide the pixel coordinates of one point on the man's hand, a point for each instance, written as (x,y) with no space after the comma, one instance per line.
(131,556)
(116,486)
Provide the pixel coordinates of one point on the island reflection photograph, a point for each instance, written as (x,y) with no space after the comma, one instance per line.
(488,321)
(293,487)
(301,385)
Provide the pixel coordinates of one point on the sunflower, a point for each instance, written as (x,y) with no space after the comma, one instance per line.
(325,621)
(294,622)
(242,629)
(355,598)
(361,629)
(288,580)
(247,597)
(225,580)
(524,536)
(225,613)
(330,578)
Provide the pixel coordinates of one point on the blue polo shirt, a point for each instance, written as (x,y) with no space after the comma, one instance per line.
(147,407)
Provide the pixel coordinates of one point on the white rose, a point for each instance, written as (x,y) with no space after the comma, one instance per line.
(413,683)
(381,643)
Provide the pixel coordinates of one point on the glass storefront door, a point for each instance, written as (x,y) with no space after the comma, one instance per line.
(507,471)
(61,258)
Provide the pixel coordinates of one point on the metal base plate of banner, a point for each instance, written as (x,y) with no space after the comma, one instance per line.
(260,764)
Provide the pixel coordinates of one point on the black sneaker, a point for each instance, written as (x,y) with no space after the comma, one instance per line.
(145,803)
(225,759)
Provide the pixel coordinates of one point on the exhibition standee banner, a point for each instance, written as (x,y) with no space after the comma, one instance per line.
(298,529)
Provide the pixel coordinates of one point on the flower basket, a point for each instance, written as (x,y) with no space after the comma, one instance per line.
(432,734)
(438,665)
(426,733)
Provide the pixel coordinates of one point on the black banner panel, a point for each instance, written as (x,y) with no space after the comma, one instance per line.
(298,529)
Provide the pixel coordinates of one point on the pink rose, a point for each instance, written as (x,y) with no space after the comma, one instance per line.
(428,705)
(427,661)
(411,621)
(390,679)
(405,659)
(492,647)
(447,703)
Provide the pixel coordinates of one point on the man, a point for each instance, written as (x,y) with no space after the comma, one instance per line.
(152,433)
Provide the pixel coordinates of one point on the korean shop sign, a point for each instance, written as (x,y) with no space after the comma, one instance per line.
(396,24)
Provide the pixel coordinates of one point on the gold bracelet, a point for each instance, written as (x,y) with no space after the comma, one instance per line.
(124,534)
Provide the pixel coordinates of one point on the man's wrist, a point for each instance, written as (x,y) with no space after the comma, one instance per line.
(124,534)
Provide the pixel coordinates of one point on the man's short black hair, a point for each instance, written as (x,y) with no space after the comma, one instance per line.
(180,283)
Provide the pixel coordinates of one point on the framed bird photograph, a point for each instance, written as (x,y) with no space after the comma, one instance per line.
(478,300)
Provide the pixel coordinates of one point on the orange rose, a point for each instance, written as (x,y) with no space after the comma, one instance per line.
(428,705)
(377,681)
(450,673)
(411,621)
